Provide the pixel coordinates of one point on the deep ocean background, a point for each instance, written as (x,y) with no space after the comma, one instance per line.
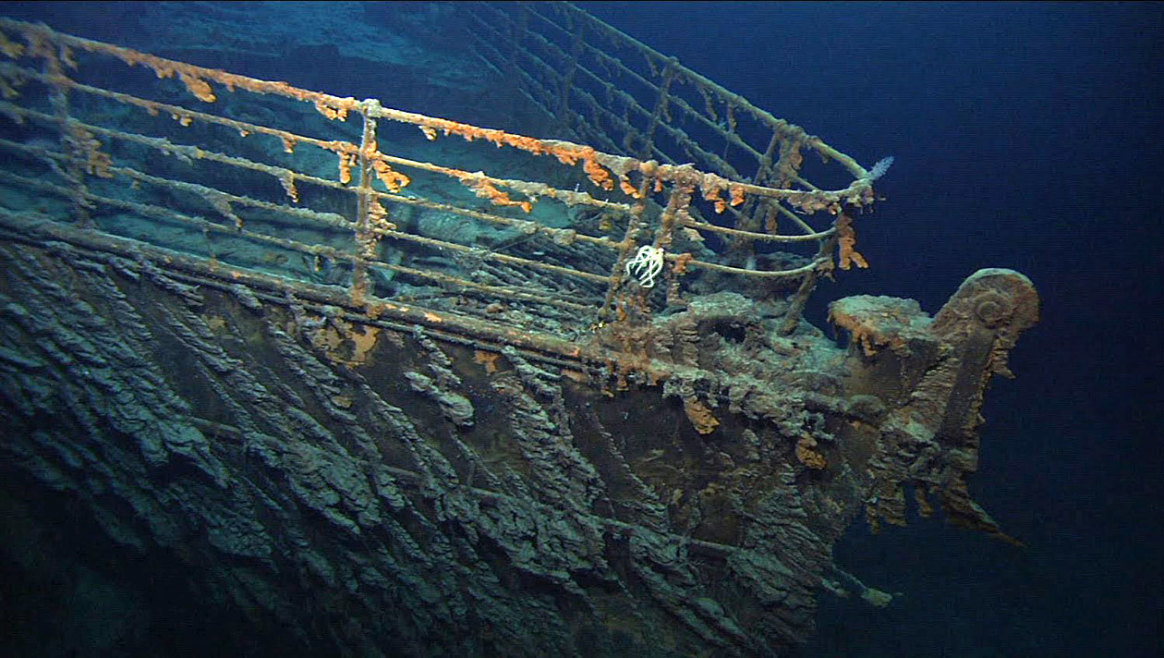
(1026,136)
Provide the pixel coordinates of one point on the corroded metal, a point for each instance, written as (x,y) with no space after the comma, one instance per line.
(465,446)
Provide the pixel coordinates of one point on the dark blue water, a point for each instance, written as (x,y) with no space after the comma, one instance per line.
(1026,136)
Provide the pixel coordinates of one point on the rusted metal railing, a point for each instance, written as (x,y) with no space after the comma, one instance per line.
(250,174)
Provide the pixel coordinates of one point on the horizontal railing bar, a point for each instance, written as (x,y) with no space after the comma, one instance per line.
(325,251)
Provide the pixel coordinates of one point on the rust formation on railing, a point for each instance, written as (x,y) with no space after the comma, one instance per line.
(252,175)
(483,392)
(603,87)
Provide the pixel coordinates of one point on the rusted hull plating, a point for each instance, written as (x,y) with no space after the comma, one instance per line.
(377,439)
(451,484)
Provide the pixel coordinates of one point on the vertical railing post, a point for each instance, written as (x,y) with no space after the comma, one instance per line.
(678,199)
(675,213)
(567,82)
(365,238)
(74,141)
(750,218)
(661,103)
(799,299)
(635,224)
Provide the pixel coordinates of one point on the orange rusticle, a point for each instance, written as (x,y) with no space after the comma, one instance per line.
(486,190)
(570,156)
(197,86)
(597,173)
(362,343)
(846,240)
(700,416)
(88,148)
(366,245)
(624,184)
(345,342)
(392,179)
(329,106)
(737,193)
(807,454)
(712,188)
(333,113)
(378,216)
(487,359)
(872,331)
(530,144)
(346,162)
(712,195)
(567,154)
(498,138)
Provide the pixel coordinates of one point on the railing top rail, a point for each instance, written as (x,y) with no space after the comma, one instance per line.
(663,233)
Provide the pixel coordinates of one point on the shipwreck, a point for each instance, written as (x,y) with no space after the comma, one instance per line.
(370,382)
